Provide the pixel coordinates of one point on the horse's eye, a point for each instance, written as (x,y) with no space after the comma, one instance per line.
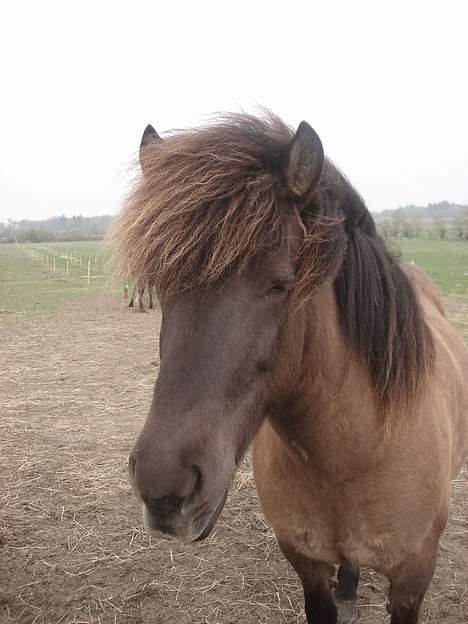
(278,288)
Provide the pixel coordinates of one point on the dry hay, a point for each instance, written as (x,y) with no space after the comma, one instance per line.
(72,547)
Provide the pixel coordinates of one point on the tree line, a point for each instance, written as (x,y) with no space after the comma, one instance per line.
(60,228)
(438,220)
(398,226)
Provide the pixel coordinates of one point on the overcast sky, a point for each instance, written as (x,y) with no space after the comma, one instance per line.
(384,84)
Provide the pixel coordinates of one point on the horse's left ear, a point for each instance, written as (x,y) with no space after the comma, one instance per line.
(303,161)
(149,136)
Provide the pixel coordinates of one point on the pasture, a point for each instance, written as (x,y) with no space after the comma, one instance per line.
(76,382)
(35,278)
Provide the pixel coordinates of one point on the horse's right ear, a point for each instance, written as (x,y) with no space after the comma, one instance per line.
(302,162)
(149,136)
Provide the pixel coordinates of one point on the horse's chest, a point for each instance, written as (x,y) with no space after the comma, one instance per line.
(323,529)
(355,544)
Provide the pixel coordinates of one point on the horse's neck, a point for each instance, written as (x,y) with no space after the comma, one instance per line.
(331,418)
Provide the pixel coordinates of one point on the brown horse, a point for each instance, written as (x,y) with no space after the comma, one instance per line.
(139,287)
(284,318)
(138,294)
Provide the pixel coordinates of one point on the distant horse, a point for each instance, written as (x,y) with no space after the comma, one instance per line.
(284,318)
(139,288)
(138,293)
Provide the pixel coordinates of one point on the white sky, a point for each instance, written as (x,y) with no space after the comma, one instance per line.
(385,84)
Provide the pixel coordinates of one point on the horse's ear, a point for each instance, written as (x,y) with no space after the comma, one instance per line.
(149,136)
(302,161)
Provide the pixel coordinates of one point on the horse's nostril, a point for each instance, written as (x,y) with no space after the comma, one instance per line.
(164,508)
(198,484)
(163,482)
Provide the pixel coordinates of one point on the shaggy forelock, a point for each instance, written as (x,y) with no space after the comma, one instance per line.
(206,204)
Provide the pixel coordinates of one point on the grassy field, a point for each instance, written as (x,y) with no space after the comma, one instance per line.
(34,278)
(446,261)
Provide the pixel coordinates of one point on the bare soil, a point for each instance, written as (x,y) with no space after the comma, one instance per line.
(74,392)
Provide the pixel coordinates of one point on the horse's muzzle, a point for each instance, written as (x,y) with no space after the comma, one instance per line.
(188,524)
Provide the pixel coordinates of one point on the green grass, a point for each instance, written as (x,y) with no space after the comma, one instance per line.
(87,249)
(29,284)
(445,261)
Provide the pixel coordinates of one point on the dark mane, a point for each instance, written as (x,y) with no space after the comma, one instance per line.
(213,198)
(381,317)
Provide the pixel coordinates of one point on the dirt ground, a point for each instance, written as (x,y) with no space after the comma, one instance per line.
(74,391)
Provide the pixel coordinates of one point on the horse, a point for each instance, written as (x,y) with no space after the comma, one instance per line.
(287,323)
(139,288)
(138,293)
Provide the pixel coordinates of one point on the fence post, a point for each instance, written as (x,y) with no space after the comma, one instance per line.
(68,269)
(89,271)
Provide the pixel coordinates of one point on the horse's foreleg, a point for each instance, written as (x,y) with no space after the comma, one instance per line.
(348,579)
(132,298)
(408,585)
(141,292)
(150,292)
(315,576)
(346,594)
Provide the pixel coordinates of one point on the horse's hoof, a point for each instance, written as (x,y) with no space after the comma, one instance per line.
(347,611)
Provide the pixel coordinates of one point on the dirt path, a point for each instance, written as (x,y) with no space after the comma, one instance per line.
(74,391)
